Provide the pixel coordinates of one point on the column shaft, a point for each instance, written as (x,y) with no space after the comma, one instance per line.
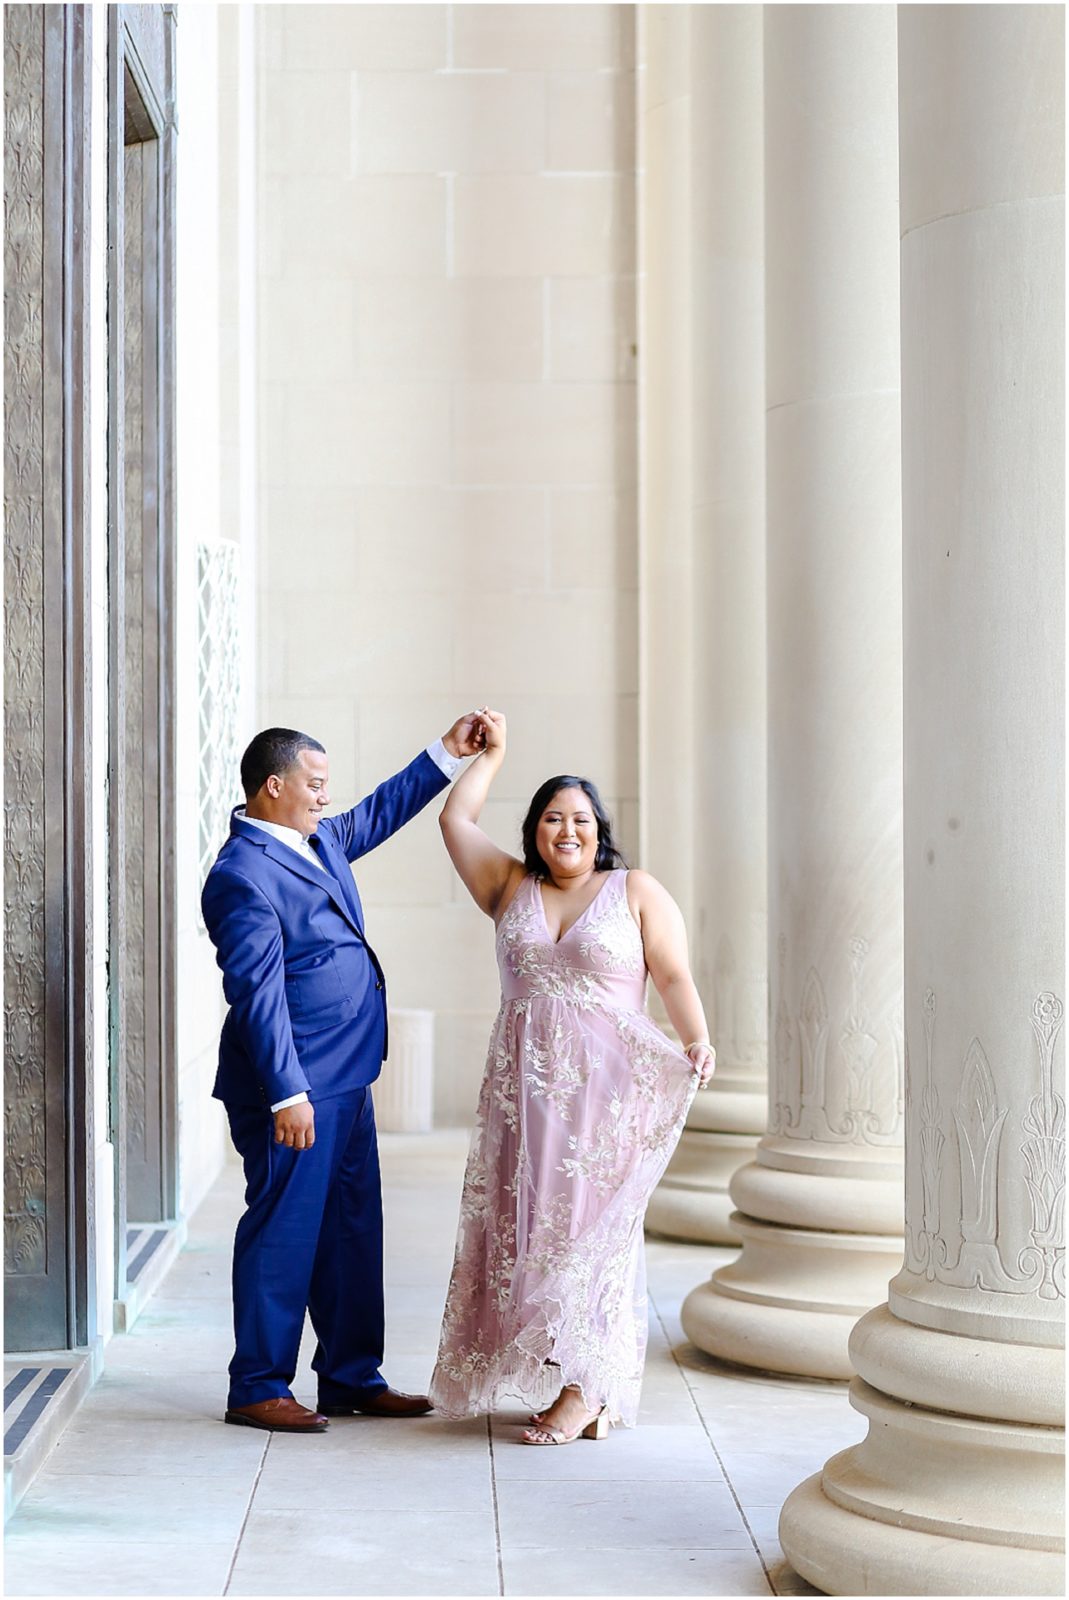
(820,1208)
(726,599)
(958,1487)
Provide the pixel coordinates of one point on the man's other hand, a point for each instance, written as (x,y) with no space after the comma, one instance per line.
(295,1126)
(465,737)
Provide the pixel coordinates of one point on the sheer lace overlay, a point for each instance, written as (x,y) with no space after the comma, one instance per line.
(582,1102)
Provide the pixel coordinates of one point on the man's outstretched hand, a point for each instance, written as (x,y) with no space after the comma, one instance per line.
(466,737)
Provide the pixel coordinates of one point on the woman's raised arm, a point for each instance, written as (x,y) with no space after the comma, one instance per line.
(490,875)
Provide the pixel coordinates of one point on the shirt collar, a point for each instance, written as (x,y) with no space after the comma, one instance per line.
(291,836)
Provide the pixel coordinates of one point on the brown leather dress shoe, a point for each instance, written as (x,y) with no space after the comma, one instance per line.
(281,1415)
(384,1403)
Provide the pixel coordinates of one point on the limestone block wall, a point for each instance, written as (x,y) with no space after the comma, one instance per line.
(448,429)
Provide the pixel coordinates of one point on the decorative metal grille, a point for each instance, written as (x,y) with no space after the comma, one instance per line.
(139,1050)
(219,690)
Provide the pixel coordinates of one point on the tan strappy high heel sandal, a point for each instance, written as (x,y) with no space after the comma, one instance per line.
(596,1428)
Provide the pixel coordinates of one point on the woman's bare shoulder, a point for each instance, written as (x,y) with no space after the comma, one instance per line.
(642,885)
(647,894)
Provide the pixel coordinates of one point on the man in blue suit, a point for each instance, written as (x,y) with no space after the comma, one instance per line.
(303,1040)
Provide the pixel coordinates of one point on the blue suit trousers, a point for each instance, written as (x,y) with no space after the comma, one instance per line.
(311,1237)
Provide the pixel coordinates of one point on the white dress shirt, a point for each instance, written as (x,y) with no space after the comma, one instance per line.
(296,840)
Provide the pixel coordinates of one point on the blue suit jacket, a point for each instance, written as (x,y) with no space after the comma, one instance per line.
(306,992)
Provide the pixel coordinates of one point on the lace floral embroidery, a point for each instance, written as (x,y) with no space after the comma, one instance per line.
(558,1067)
(582,1102)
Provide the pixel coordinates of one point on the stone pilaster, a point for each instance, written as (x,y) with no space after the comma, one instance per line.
(958,1487)
(404,1093)
(719,224)
(819,1211)
(665,559)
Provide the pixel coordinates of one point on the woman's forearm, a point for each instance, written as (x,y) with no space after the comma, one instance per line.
(685,1010)
(468,795)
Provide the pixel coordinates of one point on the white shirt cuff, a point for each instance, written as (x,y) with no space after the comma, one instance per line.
(446,763)
(294,1100)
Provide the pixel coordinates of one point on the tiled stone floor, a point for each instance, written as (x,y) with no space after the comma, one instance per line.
(147,1493)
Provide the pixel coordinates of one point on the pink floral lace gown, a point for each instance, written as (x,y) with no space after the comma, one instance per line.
(582,1102)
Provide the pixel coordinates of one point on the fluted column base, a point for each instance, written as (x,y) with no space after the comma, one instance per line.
(840,1552)
(931,1504)
(790,1300)
(958,1491)
(692,1201)
(819,1230)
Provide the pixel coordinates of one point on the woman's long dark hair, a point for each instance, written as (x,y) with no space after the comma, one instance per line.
(609,854)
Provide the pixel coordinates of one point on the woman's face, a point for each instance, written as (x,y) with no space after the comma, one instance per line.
(567,834)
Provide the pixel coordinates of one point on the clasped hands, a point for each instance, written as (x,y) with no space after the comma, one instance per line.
(474,732)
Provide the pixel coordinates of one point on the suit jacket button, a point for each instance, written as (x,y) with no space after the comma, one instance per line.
(378,984)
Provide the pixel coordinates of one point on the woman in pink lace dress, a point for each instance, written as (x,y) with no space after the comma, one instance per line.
(582,1102)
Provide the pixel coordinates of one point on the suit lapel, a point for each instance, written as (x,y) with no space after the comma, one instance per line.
(342,894)
(322,877)
(344,878)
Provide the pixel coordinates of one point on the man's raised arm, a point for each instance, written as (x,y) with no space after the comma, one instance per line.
(398,799)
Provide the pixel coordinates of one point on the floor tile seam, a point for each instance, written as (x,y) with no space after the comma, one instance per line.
(712,1445)
(608,1545)
(90,1421)
(493,1498)
(82,1542)
(93,1423)
(356,1487)
(50,1487)
(245,1518)
(638,1479)
(209,1371)
(378,1508)
(705,1548)
(310,1515)
(163,1474)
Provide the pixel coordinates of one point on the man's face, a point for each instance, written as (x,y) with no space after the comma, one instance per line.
(301,795)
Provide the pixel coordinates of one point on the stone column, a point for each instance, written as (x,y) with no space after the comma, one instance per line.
(726,507)
(820,1210)
(958,1488)
(404,1094)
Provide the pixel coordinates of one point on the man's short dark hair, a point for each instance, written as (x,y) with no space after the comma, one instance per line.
(275,750)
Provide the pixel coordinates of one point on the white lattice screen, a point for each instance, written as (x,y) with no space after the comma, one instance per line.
(218,686)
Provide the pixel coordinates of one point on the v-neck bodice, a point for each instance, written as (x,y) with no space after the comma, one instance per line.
(540,897)
(598,958)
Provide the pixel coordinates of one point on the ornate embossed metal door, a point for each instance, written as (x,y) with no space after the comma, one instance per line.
(141,556)
(48,1233)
